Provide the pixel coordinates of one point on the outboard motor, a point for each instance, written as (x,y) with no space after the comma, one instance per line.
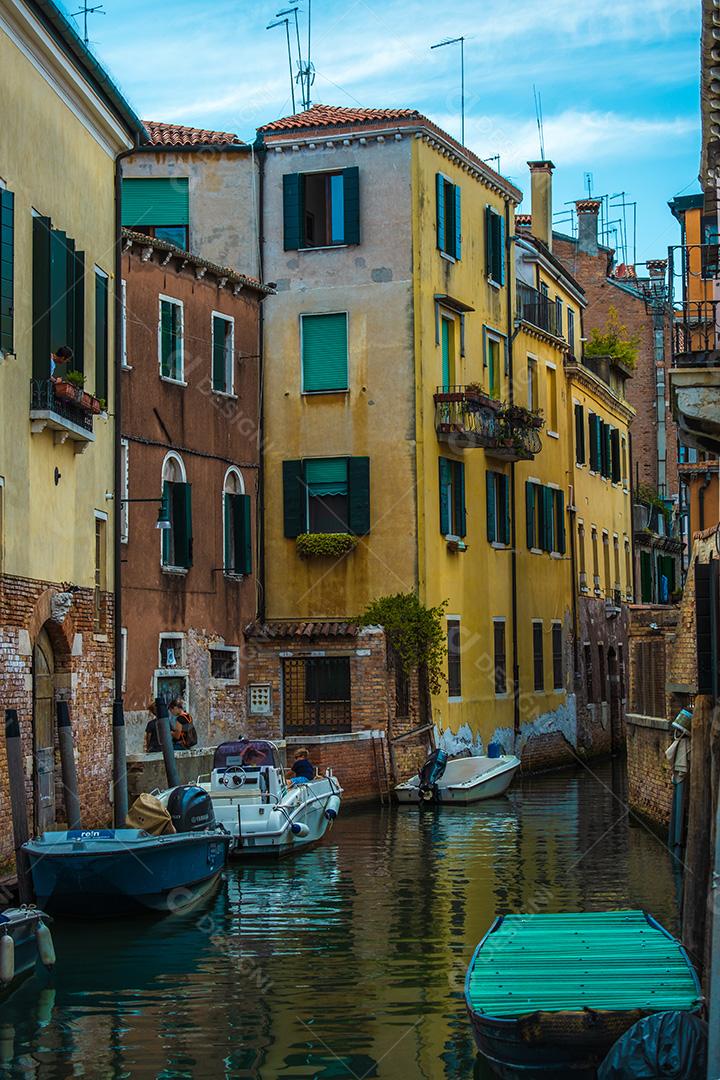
(191,809)
(430,773)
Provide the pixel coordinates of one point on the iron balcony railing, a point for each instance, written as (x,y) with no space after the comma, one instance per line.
(465,417)
(696,341)
(537,309)
(44,399)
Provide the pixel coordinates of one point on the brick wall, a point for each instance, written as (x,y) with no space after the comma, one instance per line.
(360,761)
(650,788)
(600,717)
(83,660)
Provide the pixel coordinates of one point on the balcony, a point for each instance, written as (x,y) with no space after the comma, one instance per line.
(66,411)
(538,310)
(466,417)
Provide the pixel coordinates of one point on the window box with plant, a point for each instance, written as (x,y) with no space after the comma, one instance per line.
(70,388)
(325,545)
(326,504)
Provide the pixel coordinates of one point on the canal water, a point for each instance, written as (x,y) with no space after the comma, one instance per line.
(347,962)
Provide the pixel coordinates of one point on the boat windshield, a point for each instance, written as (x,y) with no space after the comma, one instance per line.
(248,753)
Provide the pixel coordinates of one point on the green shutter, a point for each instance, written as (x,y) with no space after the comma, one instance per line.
(155,201)
(440,189)
(351,204)
(560,522)
(185,510)
(445,472)
(579,435)
(77,309)
(167,339)
(7,268)
(500,251)
(41,298)
(459,515)
(238,534)
(294,499)
(530,513)
(645,577)
(292,211)
(458,224)
(491,488)
(58,289)
(101,336)
(324,352)
(504,501)
(615,455)
(358,478)
(245,553)
(547,516)
(181,518)
(229,532)
(167,533)
(219,371)
(489,240)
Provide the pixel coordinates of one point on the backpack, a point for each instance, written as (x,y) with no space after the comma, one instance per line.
(189,737)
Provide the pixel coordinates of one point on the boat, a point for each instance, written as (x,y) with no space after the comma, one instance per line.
(549,994)
(102,873)
(24,939)
(460,780)
(265,813)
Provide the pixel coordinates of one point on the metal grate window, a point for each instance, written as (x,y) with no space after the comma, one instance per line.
(316,695)
(453,649)
(538,658)
(500,657)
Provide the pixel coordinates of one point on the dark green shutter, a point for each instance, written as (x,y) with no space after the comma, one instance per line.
(560,522)
(245,535)
(294,499)
(58,289)
(548,530)
(491,488)
(459,515)
(706,626)
(229,522)
(167,338)
(579,435)
(445,471)
(184,550)
(440,188)
(77,309)
(504,501)
(7,268)
(219,372)
(351,204)
(41,298)
(155,201)
(238,534)
(530,513)
(645,577)
(292,211)
(458,223)
(489,230)
(324,352)
(615,455)
(358,472)
(101,336)
(500,254)
(167,533)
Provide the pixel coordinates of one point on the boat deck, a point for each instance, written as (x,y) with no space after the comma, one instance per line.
(606,960)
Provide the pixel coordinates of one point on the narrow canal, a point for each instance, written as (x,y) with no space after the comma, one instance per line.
(347,962)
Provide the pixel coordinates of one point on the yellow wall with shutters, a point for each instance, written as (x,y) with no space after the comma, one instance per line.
(57,147)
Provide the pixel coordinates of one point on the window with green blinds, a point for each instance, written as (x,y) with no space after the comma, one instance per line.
(222,354)
(170,339)
(155,201)
(324,347)
(177,541)
(238,534)
(7,269)
(101,336)
(58,297)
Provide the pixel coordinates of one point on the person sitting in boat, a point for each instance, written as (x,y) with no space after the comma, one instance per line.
(302,768)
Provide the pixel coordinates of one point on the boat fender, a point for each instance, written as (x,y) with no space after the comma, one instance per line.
(299,828)
(46,949)
(7,959)
(332,807)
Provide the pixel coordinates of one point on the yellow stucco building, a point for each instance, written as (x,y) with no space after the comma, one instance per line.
(420,393)
(64,125)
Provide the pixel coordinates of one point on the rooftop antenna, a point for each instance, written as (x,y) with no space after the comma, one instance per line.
(539,119)
(589,184)
(455,41)
(300,76)
(493,157)
(286,24)
(85,10)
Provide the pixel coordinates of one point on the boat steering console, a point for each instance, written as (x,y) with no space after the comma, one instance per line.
(233,776)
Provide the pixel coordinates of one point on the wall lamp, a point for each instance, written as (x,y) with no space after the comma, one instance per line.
(163,518)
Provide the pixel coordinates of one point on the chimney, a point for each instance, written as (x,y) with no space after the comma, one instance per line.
(588,211)
(541,200)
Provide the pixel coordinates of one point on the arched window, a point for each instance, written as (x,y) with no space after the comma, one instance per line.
(237,527)
(177,507)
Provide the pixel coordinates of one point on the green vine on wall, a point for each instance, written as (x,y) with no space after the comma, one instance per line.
(329,545)
(415,632)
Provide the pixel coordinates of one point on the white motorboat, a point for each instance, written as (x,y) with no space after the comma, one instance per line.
(265,813)
(459,780)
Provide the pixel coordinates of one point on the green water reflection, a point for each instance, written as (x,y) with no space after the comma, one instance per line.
(346,962)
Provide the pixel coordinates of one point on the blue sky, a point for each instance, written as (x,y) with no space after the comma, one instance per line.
(618,80)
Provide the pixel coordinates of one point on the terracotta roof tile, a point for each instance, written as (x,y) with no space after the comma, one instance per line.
(321,116)
(523,220)
(178,135)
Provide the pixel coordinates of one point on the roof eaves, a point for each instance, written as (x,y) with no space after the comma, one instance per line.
(130,237)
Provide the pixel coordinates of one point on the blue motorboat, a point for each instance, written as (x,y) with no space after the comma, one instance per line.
(24,939)
(106,872)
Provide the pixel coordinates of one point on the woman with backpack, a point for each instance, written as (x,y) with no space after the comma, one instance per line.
(184,732)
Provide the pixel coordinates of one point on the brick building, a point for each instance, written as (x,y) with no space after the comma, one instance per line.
(190,461)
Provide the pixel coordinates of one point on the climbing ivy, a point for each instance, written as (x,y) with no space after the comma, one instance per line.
(416,633)
(615,341)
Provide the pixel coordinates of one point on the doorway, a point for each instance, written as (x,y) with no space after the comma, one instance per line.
(44,733)
(615,701)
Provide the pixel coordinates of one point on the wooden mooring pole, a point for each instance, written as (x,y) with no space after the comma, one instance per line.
(168,751)
(18,803)
(697,850)
(67,765)
(120,786)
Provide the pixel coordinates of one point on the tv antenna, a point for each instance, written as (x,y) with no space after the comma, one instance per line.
(539,119)
(86,10)
(461,42)
(286,24)
(589,184)
(305,68)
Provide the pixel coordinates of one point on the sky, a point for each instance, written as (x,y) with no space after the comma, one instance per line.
(618,81)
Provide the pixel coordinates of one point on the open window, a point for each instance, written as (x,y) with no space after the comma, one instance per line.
(177,541)
(321,209)
(237,525)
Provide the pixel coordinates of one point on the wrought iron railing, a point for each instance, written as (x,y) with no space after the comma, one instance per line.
(696,340)
(469,418)
(43,398)
(536,308)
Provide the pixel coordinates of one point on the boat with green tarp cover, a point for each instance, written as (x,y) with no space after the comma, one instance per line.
(549,994)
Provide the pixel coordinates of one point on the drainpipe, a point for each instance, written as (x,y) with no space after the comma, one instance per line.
(660,401)
(120,794)
(260,512)
(631,484)
(513,529)
(701,500)
(572,512)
